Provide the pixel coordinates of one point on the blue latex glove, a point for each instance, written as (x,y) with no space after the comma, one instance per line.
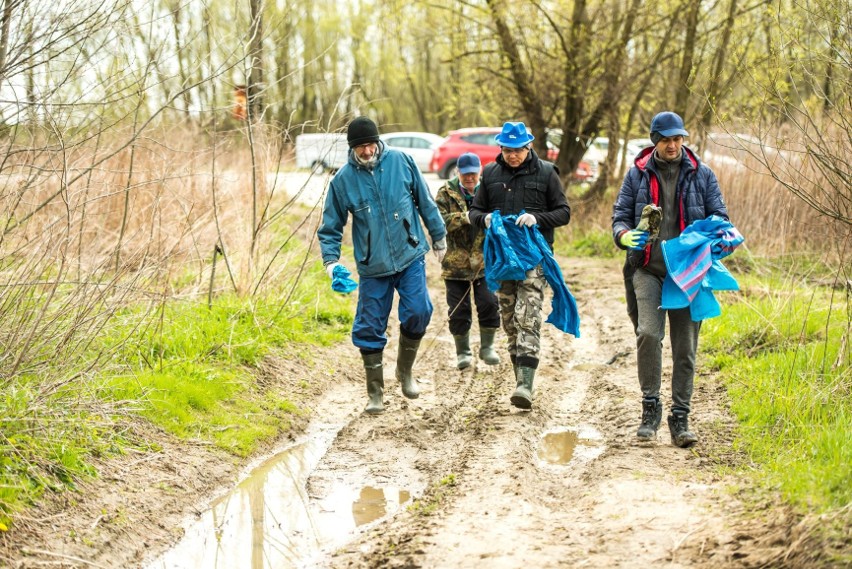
(634,239)
(340,281)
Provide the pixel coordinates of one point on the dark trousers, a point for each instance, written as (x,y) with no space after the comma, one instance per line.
(459,311)
(683,334)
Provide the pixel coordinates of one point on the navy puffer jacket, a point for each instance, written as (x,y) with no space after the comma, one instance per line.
(698,197)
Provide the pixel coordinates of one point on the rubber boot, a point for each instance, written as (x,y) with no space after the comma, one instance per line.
(375,383)
(486,346)
(404,362)
(652,414)
(679,428)
(463,353)
(523,395)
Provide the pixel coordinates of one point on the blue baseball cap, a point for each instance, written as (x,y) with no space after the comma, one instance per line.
(514,135)
(469,163)
(668,123)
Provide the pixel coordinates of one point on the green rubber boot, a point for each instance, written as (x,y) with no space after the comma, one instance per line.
(486,346)
(375,383)
(463,353)
(523,395)
(404,362)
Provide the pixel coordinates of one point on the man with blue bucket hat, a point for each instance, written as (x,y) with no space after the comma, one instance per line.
(668,176)
(522,184)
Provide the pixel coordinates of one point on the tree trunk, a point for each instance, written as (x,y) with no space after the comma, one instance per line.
(522,78)
(255,80)
(684,84)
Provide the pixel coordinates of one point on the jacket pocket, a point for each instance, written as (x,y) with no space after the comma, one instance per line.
(361,232)
(535,195)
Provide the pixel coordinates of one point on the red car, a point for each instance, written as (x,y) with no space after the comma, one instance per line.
(480,141)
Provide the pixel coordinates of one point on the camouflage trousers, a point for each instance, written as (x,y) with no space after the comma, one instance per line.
(520,311)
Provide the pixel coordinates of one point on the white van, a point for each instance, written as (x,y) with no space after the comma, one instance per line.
(321,151)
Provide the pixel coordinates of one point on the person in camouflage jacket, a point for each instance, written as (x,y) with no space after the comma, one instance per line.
(463,268)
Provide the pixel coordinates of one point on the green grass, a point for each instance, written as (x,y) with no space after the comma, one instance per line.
(783,349)
(187,369)
(586,243)
(778,348)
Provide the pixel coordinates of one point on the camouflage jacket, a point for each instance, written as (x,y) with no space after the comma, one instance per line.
(463,260)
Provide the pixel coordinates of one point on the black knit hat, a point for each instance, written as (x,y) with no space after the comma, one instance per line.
(361,131)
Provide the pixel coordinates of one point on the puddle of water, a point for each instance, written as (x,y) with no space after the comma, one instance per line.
(564,445)
(269,520)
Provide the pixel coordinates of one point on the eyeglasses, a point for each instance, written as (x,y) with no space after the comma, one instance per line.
(507,150)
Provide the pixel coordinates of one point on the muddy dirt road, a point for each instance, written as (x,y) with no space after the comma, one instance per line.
(565,485)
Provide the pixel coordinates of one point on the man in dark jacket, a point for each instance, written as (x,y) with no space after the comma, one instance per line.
(463,268)
(670,176)
(386,196)
(520,183)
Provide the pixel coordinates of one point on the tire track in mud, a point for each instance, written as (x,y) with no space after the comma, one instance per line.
(632,505)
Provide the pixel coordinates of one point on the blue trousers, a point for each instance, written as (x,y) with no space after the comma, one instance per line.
(375,301)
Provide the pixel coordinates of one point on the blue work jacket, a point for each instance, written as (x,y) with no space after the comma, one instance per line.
(386,203)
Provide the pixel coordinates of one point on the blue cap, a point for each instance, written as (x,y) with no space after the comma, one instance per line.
(668,123)
(514,135)
(469,163)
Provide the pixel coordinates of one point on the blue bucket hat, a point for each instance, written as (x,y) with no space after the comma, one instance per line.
(469,163)
(514,135)
(668,123)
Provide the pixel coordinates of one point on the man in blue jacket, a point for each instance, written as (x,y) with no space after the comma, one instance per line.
(668,175)
(384,192)
(520,183)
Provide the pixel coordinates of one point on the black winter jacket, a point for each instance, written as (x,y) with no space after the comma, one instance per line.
(534,186)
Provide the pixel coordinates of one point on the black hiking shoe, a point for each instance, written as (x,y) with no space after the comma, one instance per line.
(652,415)
(679,426)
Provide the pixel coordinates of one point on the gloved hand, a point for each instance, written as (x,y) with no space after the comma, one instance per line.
(329,269)
(634,239)
(440,248)
(340,281)
(487,219)
(526,220)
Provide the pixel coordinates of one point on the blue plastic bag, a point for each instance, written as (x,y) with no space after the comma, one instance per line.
(511,250)
(341,282)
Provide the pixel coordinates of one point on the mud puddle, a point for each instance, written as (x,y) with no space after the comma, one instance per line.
(564,446)
(269,520)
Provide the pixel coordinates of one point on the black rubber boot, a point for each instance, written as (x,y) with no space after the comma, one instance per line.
(463,353)
(375,383)
(652,415)
(486,346)
(404,362)
(523,395)
(679,428)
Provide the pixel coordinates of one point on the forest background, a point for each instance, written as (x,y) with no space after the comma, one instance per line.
(140,188)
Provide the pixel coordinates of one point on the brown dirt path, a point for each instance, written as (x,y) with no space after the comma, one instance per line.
(483,497)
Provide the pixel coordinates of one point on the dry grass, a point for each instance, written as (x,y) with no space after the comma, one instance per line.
(775,221)
(91,228)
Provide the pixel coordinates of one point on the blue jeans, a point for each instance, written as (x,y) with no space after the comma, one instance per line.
(375,301)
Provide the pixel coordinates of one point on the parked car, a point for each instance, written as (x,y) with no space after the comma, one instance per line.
(321,151)
(418,145)
(481,141)
(585,172)
(598,149)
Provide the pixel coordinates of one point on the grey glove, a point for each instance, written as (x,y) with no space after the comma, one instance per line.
(440,249)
